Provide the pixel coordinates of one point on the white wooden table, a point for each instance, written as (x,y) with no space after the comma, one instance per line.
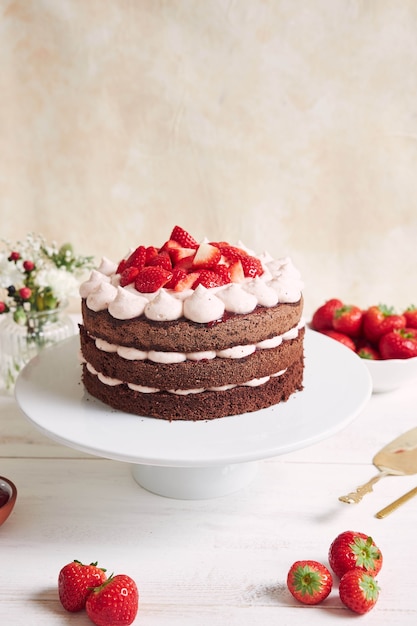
(212,562)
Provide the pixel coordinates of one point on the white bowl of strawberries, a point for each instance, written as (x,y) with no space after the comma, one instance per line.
(384,339)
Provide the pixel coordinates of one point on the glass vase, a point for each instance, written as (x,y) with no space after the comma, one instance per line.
(19,343)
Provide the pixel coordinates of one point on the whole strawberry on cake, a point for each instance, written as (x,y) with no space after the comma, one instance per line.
(192,331)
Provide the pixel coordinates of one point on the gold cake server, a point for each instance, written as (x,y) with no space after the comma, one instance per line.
(397,458)
(397,503)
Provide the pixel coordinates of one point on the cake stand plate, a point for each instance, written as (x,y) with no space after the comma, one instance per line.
(193,460)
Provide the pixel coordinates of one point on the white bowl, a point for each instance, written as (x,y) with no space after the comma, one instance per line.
(389,374)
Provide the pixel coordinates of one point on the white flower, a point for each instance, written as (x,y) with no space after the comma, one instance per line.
(9,273)
(62,283)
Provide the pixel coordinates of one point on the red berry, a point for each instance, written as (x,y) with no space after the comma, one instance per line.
(25,293)
(358,591)
(114,603)
(352,550)
(310,582)
(3,307)
(14,256)
(28,266)
(75,582)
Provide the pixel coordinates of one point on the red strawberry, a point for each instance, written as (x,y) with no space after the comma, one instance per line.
(114,603)
(162,259)
(368,352)
(183,238)
(251,266)
(186,263)
(150,279)
(410,315)
(207,256)
(208,279)
(354,550)
(323,316)
(348,320)
(358,591)
(341,337)
(150,252)
(75,581)
(399,344)
(223,272)
(232,253)
(122,266)
(137,258)
(310,582)
(178,254)
(128,275)
(178,274)
(378,320)
(236,272)
(187,281)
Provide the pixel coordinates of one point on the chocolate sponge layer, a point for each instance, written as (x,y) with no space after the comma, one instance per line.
(193,374)
(202,406)
(185,336)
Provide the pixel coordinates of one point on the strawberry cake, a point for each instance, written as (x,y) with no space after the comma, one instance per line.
(192,331)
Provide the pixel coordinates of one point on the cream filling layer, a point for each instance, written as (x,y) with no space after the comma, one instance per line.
(170,358)
(113,382)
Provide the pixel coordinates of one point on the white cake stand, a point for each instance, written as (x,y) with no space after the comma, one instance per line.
(193,460)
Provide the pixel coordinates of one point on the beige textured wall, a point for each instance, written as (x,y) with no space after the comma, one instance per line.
(288,124)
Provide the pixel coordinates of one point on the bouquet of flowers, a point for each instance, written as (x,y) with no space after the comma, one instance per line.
(36,281)
(37,276)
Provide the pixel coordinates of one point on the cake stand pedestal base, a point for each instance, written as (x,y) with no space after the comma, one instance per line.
(194,483)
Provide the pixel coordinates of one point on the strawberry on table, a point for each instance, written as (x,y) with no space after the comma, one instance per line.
(348,320)
(114,603)
(341,337)
(358,591)
(399,344)
(352,550)
(410,315)
(323,316)
(75,582)
(310,582)
(378,320)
